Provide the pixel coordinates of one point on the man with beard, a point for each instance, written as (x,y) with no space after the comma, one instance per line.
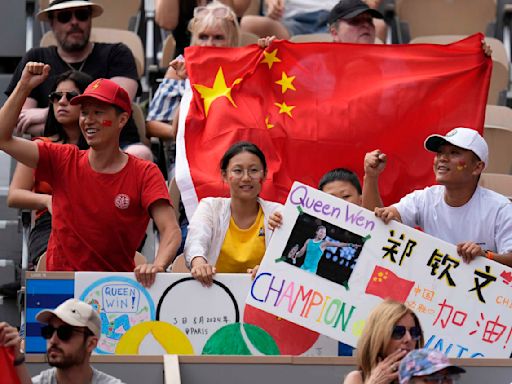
(72,332)
(71,21)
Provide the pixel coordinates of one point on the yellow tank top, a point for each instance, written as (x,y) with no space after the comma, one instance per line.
(242,248)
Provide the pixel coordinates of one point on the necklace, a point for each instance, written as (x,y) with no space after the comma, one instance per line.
(74,69)
(83,61)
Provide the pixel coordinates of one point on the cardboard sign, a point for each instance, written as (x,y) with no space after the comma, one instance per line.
(177,315)
(332,262)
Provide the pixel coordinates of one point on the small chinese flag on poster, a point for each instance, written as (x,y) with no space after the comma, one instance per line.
(7,369)
(386,285)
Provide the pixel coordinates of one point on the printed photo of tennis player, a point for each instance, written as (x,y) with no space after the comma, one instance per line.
(321,248)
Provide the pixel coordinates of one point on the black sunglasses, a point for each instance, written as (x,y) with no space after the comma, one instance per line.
(56,96)
(64,17)
(64,332)
(399,332)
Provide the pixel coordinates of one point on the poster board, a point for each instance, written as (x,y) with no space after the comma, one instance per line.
(464,309)
(177,315)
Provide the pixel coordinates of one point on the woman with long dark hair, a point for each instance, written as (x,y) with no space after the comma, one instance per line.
(61,127)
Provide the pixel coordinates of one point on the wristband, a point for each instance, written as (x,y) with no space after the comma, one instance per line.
(20,360)
(490,255)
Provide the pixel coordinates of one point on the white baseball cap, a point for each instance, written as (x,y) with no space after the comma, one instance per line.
(465,138)
(76,313)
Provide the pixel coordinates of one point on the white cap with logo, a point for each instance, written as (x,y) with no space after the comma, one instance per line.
(76,313)
(465,138)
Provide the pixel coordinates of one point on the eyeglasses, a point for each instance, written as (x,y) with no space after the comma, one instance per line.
(399,332)
(218,12)
(441,379)
(64,332)
(253,173)
(82,14)
(56,96)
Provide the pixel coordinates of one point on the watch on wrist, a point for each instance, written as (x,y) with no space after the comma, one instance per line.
(19,360)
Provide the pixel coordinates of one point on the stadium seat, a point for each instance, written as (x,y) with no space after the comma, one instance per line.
(497,182)
(498,134)
(445,17)
(168,49)
(500,64)
(110,35)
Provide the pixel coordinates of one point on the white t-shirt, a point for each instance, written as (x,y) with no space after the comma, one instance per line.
(98,377)
(295,7)
(486,219)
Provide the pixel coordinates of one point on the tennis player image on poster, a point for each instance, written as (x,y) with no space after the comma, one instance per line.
(324,249)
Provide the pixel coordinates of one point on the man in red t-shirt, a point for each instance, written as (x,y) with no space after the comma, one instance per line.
(102,198)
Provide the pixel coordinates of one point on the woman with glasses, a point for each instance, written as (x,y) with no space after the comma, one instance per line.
(391,331)
(61,127)
(174,15)
(228,235)
(214,25)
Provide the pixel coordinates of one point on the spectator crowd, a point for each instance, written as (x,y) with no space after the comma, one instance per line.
(94,186)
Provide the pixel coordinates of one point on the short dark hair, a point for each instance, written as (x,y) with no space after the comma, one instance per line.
(340,174)
(242,146)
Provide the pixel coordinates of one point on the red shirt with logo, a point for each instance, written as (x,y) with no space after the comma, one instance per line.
(99,219)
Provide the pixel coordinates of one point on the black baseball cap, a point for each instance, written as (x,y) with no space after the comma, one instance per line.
(348,9)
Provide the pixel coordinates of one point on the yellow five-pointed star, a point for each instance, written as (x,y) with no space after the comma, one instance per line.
(268,124)
(270,58)
(286,82)
(283,108)
(219,89)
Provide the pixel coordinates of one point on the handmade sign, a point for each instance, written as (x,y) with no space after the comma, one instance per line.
(177,315)
(332,262)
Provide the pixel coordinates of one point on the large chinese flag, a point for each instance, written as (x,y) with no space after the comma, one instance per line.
(313,107)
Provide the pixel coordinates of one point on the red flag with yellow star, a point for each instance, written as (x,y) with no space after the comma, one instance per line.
(317,106)
(385,284)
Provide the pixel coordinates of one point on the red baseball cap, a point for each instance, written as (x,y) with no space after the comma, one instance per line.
(107,91)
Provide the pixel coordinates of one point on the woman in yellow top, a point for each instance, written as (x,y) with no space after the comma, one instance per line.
(228,235)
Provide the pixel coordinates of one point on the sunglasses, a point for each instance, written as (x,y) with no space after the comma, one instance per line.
(399,332)
(64,332)
(64,17)
(218,12)
(56,96)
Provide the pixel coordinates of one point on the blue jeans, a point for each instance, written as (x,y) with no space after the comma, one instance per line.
(307,23)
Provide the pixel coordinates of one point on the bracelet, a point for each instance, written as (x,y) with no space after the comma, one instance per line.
(20,360)
(490,255)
